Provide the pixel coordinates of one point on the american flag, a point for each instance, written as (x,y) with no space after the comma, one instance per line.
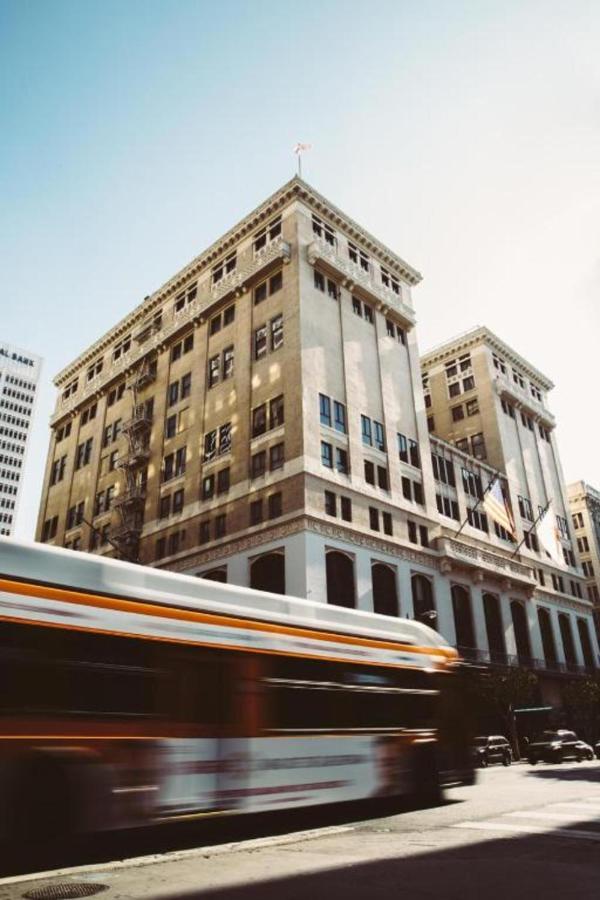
(301,148)
(497,506)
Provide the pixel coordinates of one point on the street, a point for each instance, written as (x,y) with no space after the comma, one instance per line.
(520,832)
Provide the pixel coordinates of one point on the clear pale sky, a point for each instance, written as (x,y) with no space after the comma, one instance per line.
(464,135)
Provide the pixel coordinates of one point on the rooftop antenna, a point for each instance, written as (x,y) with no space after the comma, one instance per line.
(299,149)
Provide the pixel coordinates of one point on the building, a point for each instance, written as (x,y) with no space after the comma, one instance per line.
(260,420)
(584,504)
(19,377)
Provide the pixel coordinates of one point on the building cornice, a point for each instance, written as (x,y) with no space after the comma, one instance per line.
(296,189)
(483,335)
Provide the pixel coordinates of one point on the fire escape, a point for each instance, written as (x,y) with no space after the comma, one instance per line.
(133,464)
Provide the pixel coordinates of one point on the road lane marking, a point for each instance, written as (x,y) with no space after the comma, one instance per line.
(513,827)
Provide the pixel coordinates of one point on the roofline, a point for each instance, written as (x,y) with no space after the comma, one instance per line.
(583,488)
(294,189)
(479,334)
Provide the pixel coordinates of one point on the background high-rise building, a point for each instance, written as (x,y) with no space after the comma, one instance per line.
(584,504)
(260,420)
(19,376)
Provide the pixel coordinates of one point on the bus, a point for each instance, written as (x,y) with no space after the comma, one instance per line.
(133,696)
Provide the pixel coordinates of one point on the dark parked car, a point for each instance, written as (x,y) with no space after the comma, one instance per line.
(555,746)
(492,749)
(597,749)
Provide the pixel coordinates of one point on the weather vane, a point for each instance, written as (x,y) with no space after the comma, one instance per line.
(299,149)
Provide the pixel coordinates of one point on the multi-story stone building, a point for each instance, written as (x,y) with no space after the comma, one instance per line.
(584,503)
(19,377)
(260,420)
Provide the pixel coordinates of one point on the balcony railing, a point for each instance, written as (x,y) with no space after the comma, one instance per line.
(276,251)
(483,559)
(133,458)
(506,387)
(495,658)
(331,259)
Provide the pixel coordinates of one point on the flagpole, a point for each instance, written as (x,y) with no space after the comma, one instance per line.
(529,530)
(479,500)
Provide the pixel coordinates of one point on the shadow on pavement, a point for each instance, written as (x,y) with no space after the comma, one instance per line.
(573,773)
(518,868)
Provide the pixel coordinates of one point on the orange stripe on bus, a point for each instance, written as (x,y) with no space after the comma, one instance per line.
(136,606)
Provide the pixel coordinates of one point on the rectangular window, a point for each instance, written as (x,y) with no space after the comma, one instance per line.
(472,407)
(358,256)
(204,532)
(224,267)
(225,438)
(186,385)
(369,472)
(258,464)
(472,484)
(276,457)
(418,492)
(228,360)
(356,306)
(379,436)
(267,234)
(259,420)
(382,478)
(260,342)
(215,324)
(402,447)
(341,461)
(387,523)
(478,446)
(525,508)
(188,342)
(366,429)
(223,481)
(454,389)
(406,488)
(414,455)
(171,426)
(326,454)
(260,292)
(477,519)
(210,445)
(277,332)
(346,508)
(220,526)
(319,281)
(330,503)
(214,369)
(368,313)
(412,532)
(373,518)
(389,326)
(176,352)
(178,501)
(208,487)
(339,415)
(423,536)
(256,512)
(229,315)
(325,410)
(468,383)
(323,231)
(458,413)
(332,289)
(275,505)
(276,412)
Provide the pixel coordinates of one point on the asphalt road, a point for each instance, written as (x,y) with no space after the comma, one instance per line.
(521,832)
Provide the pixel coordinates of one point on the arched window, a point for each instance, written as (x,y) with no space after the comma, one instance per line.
(566,634)
(340,579)
(423,602)
(215,575)
(586,642)
(519,619)
(547,633)
(267,573)
(385,593)
(463,617)
(494,628)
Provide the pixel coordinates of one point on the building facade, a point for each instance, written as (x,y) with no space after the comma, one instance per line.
(584,504)
(19,377)
(260,420)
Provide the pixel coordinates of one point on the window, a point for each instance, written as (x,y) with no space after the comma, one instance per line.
(268,287)
(418,492)
(369,472)
(379,436)
(276,457)
(75,515)
(472,484)
(178,501)
(267,234)
(368,313)
(468,383)
(88,414)
(58,470)
(478,446)
(447,507)
(112,460)
(220,525)
(357,256)
(208,487)
(276,412)
(458,413)
(326,454)
(389,327)
(121,348)
(223,480)
(382,478)
(228,360)
(373,518)
(346,509)
(229,315)
(588,569)
(356,306)
(259,420)
(583,545)
(174,464)
(412,532)
(577,519)
(387,523)
(204,532)
(341,461)
(406,488)
(225,438)
(214,370)
(323,231)
(275,505)
(525,508)
(339,414)
(277,332)
(215,324)
(454,389)
(325,410)
(258,464)
(366,429)
(477,519)
(260,342)
(171,426)
(472,407)
(256,512)
(224,267)
(83,454)
(402,447)
(210,445)
(49,529)
(185,297)
(327,285)
(443,470)
(463,444)
(188,342)
(176,352)
(390,281)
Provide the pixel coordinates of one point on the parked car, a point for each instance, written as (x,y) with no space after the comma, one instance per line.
(556,746)
(589,751)
(597,749)
(492,749)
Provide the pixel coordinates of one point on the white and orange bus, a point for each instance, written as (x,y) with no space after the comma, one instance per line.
(132,696)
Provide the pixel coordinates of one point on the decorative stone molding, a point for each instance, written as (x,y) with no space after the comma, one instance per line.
(485,564)
(585,607)
(506,387)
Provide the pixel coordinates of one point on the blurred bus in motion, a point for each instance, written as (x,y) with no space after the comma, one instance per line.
(132,696)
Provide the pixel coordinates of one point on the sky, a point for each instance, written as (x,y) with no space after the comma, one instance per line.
(465,135)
